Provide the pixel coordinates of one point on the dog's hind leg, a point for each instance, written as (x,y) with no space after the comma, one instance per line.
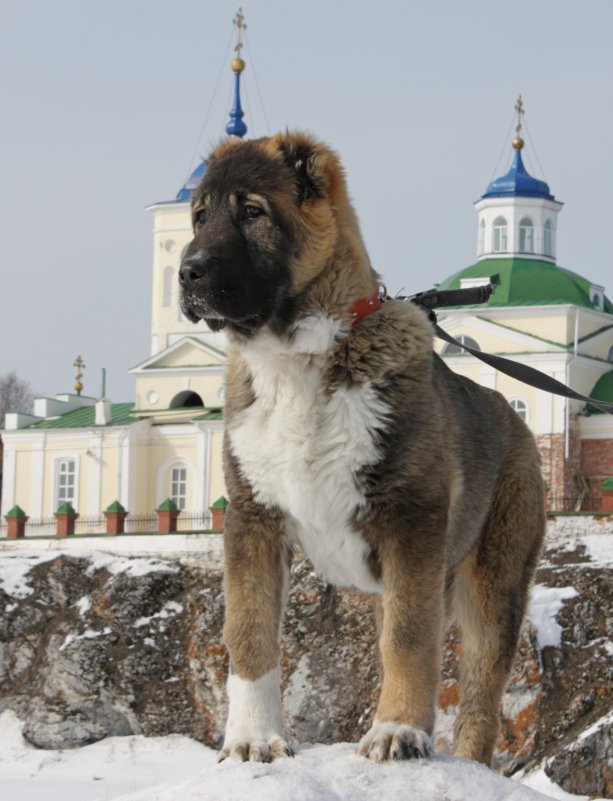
(255,584)
(490,595)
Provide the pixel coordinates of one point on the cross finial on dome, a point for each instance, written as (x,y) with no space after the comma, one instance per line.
(236,126)
(518,142)
(238,65)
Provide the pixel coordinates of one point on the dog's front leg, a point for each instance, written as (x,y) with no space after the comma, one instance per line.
(410,642)
(255,585)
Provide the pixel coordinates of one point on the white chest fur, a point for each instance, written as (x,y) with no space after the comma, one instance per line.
(300,447)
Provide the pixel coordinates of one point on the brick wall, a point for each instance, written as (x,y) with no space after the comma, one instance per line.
(597,463)
(560,473)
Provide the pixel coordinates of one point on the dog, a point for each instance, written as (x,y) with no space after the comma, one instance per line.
(348,437)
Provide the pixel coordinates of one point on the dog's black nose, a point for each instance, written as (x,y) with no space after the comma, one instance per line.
(192,268)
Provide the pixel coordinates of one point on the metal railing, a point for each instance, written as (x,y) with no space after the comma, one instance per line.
(94,525)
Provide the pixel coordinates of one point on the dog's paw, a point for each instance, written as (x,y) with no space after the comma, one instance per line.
(256,751)
(387,740)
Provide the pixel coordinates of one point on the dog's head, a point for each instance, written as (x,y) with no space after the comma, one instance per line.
(266,225)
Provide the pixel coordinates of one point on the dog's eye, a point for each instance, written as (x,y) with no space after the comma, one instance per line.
(251,211)
(200,217)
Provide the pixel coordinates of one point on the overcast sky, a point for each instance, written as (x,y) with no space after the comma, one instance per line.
(103,104)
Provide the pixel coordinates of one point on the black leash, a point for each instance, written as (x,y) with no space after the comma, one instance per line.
(433,298)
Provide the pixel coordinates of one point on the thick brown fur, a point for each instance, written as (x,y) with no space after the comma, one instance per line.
(449,517)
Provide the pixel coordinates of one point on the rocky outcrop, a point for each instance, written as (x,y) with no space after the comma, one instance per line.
(92,647)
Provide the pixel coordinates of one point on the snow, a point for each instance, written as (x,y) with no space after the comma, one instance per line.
(175,768)
(170,608)
(545,603)
(83,605)
(132,567)
(540,781)
(605,720)
(14,569)
(208,548)
(599,548)
(15,566)
(88,634)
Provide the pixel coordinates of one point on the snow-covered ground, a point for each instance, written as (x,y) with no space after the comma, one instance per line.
(175,768)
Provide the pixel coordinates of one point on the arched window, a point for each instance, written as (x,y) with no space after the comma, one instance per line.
(169,285)
(186,399)
(521,407)
(548,239)
(482,237)
(526,235)
(499,238)
(453,350)
(178,486)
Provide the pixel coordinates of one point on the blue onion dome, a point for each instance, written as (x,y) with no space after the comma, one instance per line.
(184,195)
(518,182)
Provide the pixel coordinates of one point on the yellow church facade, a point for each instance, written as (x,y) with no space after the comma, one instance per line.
(167,444)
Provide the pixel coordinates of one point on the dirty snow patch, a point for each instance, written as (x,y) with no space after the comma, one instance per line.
(14,571)
(545,603)
(130,566)
(168,610)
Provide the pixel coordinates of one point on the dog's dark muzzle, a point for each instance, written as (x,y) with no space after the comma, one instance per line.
(196,267)
(197,299)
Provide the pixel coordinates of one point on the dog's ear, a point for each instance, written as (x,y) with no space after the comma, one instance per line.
(310,163)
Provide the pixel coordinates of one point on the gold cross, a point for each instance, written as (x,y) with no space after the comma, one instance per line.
(80,365)
(519,108)
(239,21)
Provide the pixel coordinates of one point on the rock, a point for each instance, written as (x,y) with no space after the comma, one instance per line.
(103,646)
(586,767)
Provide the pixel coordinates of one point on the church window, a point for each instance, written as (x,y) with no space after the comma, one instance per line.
(454,350)
(597,301)
(547,239)
(65,481)
(499,238)
(526,235)
(169,285)
(482,237)
(178,486)
(521,407)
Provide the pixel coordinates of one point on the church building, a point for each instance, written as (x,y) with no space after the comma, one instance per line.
(545,316)
(167,443)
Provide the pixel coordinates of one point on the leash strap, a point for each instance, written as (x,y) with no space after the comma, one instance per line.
(521,372)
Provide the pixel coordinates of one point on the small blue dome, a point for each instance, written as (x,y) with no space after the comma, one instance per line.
(184,195)
(518,183)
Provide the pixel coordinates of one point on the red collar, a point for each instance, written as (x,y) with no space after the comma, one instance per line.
(361,308)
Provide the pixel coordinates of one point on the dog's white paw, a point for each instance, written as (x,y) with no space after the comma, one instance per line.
(388,740)
(254,730)
(255,751)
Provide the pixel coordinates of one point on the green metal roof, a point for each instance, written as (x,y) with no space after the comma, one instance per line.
(211,414)
(603,391)
(85,417)
(167,506)
(528,282)
(220,503)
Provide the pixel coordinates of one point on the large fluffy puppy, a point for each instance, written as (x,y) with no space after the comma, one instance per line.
(356,443)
